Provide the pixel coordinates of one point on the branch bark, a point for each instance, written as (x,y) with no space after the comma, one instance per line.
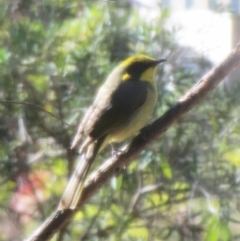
(151,132)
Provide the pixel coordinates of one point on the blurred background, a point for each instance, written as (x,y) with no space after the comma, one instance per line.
(53,57)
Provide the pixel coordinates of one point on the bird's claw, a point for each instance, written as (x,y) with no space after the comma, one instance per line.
(116,153)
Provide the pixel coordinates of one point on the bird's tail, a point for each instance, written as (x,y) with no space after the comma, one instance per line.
(73,191)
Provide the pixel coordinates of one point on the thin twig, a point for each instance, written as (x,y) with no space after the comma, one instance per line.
(34,106)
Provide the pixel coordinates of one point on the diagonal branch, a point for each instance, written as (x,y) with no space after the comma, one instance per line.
(151,132)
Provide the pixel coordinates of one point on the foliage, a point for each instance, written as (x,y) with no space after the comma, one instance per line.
(54,55)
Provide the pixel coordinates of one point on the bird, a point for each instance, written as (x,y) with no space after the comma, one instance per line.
(122,107)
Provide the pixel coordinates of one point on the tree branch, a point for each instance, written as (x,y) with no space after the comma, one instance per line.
(151,132)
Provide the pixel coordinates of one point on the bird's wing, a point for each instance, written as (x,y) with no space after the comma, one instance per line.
(108,111)
(128,98)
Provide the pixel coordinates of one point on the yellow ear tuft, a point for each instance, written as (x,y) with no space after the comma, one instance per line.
(126,77)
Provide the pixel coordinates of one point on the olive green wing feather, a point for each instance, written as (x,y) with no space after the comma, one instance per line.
(112,109)
(128,98)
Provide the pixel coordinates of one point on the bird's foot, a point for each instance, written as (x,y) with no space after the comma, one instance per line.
(115,153)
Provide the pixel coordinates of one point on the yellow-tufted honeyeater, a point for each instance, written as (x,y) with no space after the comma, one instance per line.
(121,108)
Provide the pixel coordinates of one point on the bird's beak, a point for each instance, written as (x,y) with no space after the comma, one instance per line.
(159,61)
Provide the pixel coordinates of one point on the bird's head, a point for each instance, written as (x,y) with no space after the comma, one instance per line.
(140,67)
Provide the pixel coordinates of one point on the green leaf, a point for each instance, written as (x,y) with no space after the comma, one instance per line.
(166,169)
(212,230)
(4,55)
(233,157)
(217,229)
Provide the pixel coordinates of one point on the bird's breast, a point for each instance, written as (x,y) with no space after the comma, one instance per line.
(136,121)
